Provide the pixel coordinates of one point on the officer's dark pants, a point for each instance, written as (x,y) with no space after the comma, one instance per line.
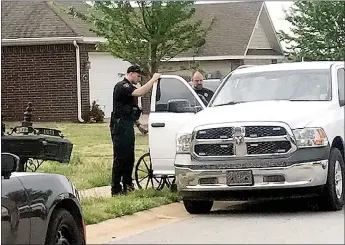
(122,134)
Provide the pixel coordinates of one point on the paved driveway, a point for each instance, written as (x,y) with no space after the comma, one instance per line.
(279,222)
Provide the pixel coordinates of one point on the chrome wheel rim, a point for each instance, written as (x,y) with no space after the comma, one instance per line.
(62,237)
(338,177)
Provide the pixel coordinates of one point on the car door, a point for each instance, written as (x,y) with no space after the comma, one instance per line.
(163,125)
(15,212)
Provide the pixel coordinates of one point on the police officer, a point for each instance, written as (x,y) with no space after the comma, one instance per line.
(197,83)
(125,114)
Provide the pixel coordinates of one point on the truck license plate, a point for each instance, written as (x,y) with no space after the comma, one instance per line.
(239,177)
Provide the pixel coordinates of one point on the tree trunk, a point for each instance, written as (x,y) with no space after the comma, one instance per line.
(153,62)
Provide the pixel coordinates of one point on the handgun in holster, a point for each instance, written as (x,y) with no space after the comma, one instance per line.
(136,113)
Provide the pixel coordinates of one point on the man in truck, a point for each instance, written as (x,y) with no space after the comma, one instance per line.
(197,84)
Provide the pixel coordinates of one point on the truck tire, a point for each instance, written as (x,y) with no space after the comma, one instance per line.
(198,206)
(333,196)
(63,229)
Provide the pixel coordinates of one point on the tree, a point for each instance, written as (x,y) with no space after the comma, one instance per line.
(318,30)
(147,34)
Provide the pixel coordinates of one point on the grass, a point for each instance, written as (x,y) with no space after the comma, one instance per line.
(90,166)
(91,161)
(98,209)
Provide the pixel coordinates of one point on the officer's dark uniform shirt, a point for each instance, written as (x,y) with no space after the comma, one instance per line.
(206,93)
(123,101)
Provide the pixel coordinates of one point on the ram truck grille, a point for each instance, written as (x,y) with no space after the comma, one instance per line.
(241,141)
(264,131)
(273,147)
(215,133)
(214,150)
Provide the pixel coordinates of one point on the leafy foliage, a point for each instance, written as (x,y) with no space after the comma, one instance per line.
(95,114)
(318,30)
(147,34)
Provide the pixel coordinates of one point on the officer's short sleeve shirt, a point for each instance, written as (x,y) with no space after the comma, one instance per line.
(127,89)
(123,101)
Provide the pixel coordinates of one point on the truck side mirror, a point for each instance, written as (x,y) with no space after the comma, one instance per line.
(180,106)
(9,163)
(197,109)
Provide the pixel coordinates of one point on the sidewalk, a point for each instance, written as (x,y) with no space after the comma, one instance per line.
(103,191)
(129,225)
(121,227)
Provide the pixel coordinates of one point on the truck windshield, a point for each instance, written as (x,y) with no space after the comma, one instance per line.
(294,85)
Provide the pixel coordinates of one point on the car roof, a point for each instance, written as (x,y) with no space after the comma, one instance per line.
(289,66)
(211,80)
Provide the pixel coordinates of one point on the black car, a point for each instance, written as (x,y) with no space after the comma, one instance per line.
(38,208)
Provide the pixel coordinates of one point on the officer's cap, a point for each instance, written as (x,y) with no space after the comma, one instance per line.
(134,68)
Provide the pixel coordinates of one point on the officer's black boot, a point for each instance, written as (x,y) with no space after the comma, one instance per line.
(128,188)
(116,190)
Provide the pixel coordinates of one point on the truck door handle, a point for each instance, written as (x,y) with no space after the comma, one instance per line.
(158,125)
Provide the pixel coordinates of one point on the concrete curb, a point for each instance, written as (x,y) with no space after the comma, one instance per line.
(129,225)
(119,228)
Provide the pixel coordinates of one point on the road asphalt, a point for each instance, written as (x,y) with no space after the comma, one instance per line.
(264,222)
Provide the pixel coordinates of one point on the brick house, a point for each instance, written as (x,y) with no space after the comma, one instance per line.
(49,58)
(44,60)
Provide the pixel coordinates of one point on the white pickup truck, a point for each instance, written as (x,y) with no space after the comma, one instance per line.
(269,131)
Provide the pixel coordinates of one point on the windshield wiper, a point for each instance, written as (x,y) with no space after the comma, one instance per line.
(230,103)
(299,100)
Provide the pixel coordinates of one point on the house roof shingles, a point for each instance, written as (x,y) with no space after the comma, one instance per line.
(232,29)
(229,34)
(33,19)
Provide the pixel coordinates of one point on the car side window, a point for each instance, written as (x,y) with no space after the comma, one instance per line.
(341,84)
(171,89)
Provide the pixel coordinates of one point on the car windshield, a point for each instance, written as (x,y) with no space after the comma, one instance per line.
(294,85)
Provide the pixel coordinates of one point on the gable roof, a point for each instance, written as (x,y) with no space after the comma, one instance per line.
(33,19)
(230,34)
(231,30)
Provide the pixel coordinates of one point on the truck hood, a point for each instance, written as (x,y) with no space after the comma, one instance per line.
(297,114)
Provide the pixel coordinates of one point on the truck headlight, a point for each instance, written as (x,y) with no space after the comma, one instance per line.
(183,143)
(310,137)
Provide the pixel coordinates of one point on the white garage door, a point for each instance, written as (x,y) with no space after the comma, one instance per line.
(104,74)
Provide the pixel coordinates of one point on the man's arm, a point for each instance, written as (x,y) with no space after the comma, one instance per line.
(141,129)
(139,92)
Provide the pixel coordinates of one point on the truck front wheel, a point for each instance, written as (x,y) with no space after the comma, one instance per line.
(198,206)
(333,197)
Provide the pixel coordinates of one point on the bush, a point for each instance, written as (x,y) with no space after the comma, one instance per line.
(95,114)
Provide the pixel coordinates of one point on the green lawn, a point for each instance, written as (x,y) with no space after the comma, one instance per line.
(98,209)
(91,160)
(91,165)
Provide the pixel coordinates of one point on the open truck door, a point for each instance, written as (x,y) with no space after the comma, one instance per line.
(173,104)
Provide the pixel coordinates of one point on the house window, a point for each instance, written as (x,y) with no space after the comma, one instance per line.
(274,61)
